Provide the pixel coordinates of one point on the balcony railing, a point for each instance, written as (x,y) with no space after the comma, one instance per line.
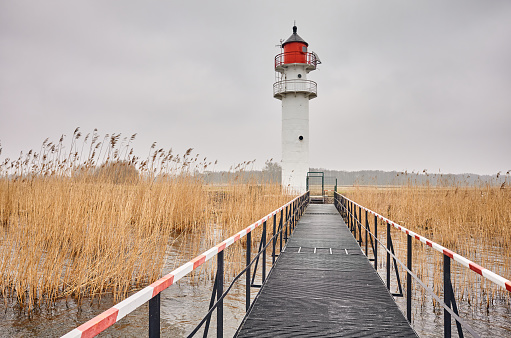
(307,58)
(308,87)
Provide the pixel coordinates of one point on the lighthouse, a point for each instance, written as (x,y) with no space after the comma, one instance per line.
(295,91)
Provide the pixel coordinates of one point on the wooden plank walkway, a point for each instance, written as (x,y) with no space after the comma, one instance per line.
(324,286)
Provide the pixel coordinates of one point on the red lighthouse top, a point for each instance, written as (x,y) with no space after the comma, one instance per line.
(295,51)
(294,40)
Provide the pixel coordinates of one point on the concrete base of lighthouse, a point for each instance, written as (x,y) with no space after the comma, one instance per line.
(295,141)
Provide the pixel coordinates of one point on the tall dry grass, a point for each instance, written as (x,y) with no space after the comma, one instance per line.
(99,220)
(473,221)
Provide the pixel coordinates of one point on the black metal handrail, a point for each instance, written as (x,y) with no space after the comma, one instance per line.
(287,223)
(353,220)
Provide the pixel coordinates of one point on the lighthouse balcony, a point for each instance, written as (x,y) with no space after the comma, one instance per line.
(307,87)
(283,60)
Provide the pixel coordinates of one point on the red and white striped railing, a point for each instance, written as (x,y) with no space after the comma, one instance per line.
(106,319)
(492,276)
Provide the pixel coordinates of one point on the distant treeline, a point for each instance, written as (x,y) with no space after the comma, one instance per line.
(273,173)
(379,177)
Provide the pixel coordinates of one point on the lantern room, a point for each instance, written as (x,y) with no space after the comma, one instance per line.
(295,51)
(295,48)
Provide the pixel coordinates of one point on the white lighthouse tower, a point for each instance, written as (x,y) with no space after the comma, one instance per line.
(295,91)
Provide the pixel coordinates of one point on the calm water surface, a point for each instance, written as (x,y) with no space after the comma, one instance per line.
(184,304)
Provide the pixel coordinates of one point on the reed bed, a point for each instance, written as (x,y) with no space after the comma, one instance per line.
(99,220)
(470,220)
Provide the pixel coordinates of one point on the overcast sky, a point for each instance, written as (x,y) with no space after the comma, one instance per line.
(403,85)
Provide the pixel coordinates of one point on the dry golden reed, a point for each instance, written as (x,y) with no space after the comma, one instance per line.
(470,220)
(99,220)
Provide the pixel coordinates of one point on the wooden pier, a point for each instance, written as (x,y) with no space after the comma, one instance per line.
(324,286)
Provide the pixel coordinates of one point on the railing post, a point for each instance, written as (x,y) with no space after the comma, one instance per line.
(297,214)
(290,219)
(355,219)
(274,239)
(409,279)
(264,251)
(293,213)
(447,295)
(360,227)
(154,317)
(376,243)
(348,215)
(249,258)
(351,218)
(354,222)
(281,227)
(286,224)
(388,255)
(367,226)
(220,291)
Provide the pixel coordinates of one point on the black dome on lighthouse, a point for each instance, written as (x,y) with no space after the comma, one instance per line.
(295,38)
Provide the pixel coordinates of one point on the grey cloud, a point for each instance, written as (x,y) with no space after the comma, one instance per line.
(404,85)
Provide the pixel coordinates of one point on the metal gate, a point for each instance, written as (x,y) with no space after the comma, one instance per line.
(316,183)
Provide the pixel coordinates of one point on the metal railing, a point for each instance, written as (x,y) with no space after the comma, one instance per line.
(296,57)
(352,213)
(290,213)
(295,86)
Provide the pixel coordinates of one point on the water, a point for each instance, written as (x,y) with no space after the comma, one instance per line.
(427,319)
(184,304)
